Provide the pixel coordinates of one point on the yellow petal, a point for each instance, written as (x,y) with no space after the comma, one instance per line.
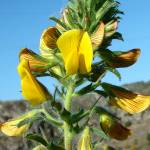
(85,54)
(136,105)
(68,43)
(10,129)
(113,128)
(32,89)
(98,36)
(76,49)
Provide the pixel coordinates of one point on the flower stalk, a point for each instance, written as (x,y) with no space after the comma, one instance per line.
(68,134)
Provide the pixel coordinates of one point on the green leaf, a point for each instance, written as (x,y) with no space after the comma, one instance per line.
(60,23)
(115,72)
(66,115)
(78,116)
(105,8)
(100,133)
(37,138)
(87,89)
(102,93)
(52,146)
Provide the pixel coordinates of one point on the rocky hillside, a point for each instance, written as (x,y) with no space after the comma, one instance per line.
(139,123)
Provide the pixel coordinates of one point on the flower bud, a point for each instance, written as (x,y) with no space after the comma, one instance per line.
(85,140)
(40,147)
(32,90)
(112,128)
(110,28)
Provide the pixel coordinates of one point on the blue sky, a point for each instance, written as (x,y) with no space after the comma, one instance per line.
(21,25)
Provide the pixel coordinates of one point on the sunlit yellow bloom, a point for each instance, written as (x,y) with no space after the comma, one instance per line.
(98,36)
(32,90)
(36,62)
(48,42)
(10,127)
(127,100)
(85,140)
(76,48)
(112,128)
(40,147)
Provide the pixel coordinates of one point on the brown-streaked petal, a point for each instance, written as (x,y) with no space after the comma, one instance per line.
(125,59)
(48,39)
(97,36)
(127,100)
(37,63)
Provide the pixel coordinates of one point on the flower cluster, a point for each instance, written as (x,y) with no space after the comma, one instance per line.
(76,53)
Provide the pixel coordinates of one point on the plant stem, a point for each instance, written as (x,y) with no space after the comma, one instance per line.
(51,119)
(68,135)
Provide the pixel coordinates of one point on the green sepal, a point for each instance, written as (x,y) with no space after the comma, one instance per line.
(97,73)
(115,72)
(99,133)
(76,117)
(100,110)
(37,138)
(29,120)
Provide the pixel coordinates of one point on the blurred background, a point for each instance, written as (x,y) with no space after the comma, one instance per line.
(21,25)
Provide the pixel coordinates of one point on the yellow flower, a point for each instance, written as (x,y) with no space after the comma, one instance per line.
(10,127)
(127,100)
(85,140)
(112,128)
(33,91)
(36,62)
(97,36)
(76,48)
(40,147)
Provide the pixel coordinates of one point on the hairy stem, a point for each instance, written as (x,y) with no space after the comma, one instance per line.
(68,135)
